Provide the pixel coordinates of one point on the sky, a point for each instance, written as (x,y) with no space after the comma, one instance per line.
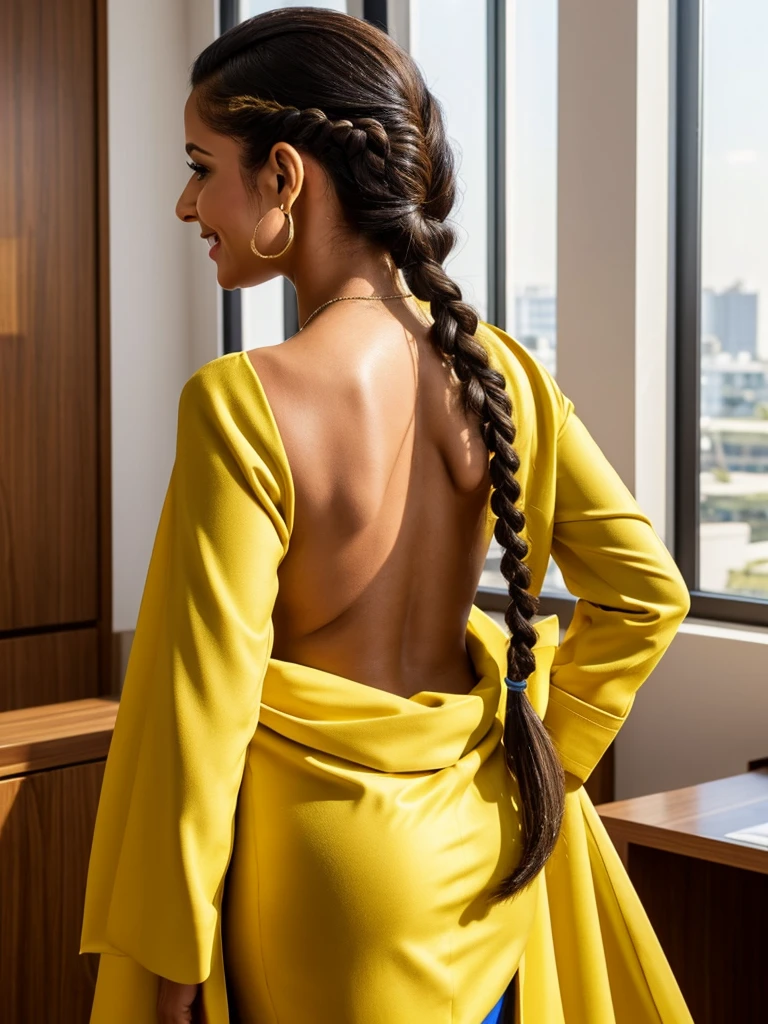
(532,68)
(735,147)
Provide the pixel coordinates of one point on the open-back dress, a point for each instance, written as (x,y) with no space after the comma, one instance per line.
(319,851)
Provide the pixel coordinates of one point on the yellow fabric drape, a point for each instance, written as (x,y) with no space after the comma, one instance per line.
(190,700)
(219,750)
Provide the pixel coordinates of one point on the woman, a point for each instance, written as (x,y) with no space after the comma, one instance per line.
(336,792)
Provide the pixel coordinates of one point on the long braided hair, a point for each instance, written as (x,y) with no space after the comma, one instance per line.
(341,90)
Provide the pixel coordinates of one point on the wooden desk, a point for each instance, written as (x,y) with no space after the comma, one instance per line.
(51,766)
(706,896)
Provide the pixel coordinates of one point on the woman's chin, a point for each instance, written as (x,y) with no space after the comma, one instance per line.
(227,280)
(231,278)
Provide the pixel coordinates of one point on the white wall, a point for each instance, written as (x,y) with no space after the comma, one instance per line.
(164,321)
(702,715)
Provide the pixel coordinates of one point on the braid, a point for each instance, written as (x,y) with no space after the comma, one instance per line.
(529,749)
(484,395)
(314,125)
(364,141)
(347,94)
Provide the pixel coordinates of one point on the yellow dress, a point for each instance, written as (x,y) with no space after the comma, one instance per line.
(357,830)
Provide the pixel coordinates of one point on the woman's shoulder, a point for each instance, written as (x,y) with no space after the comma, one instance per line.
(224,398)
(529,382)
(229,387)
(532,387)
(225,423)
(226,372)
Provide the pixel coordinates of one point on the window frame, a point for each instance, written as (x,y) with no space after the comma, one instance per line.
(231,300)
(687,303)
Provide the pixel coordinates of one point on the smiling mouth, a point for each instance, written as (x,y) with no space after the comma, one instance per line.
(212,240)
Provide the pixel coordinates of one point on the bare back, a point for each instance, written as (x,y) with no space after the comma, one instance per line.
(391,482)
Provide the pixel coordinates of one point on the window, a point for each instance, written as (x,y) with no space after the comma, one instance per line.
(532,176)
(722,520)
(531,245)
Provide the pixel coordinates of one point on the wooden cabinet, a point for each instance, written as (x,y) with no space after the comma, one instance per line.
(51,767)
(55,536)
(55,562)
(706,895)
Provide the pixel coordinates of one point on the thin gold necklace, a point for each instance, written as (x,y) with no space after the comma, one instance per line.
(341,298)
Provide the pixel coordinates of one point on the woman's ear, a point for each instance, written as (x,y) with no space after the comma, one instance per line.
(288,168)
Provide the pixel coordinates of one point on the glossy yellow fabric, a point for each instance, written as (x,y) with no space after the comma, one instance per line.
(355,829)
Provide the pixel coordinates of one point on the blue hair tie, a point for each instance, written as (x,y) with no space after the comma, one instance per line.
(518,685)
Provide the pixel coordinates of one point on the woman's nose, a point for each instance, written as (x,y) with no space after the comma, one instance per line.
(186,209)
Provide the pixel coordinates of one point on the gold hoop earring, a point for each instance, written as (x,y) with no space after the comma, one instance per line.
(289,218)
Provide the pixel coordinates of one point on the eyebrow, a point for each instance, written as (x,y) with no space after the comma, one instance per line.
(190,146)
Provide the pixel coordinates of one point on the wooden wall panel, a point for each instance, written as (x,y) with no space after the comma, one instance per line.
(46,828)
(48,349)
(48,667)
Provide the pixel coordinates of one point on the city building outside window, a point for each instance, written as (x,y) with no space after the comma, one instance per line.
(724,478)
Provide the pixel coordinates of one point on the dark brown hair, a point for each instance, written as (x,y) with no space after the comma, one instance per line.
(344,92)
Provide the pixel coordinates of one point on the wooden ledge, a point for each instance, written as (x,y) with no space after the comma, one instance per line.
(693,821)
(55,735)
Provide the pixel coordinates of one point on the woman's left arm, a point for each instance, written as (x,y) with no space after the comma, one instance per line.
(191,698)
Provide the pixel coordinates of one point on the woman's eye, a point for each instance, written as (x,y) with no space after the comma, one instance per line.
(199,170)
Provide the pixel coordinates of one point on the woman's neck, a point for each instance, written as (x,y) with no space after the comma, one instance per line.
(363,275)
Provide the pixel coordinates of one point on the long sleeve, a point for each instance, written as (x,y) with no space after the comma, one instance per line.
(631,600)
(191,697)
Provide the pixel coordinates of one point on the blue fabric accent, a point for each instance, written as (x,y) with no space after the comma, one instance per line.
(515,684)
(495,1015)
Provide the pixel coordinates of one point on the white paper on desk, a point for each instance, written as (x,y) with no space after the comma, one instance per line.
(755,835)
